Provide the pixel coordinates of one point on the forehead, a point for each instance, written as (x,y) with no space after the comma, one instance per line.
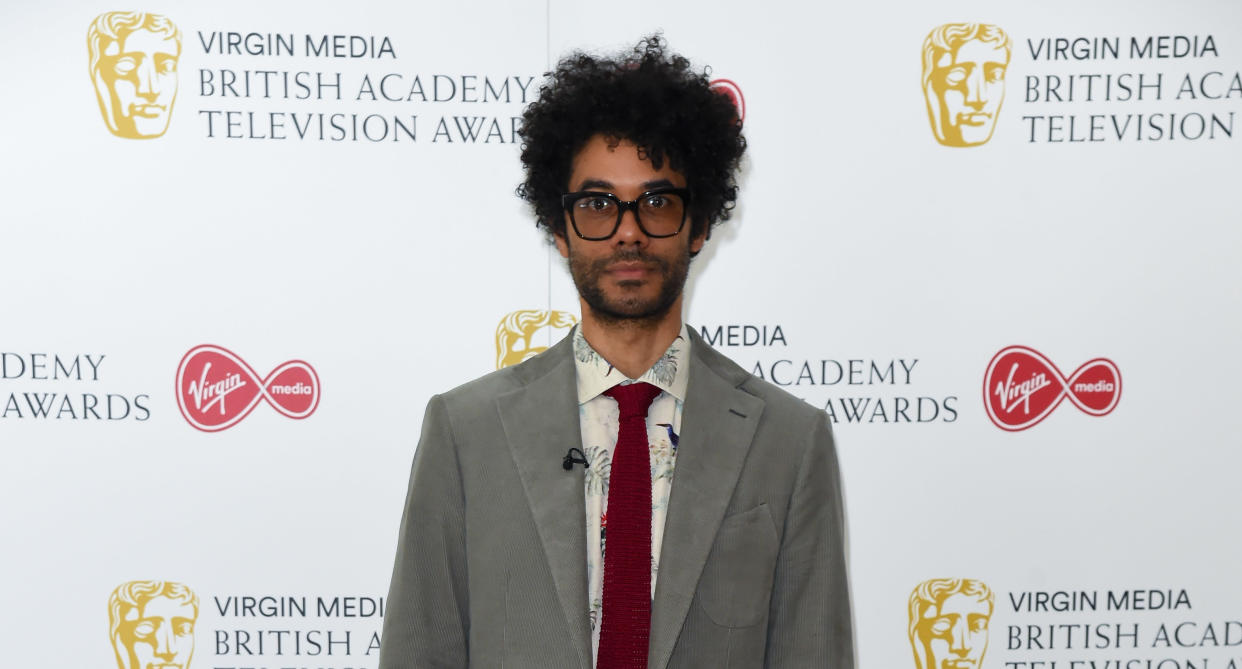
(961,604)
(618,162)
(144,41)
(976,51)
(161,607)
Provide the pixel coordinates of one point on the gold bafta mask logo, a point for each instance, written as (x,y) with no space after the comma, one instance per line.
(134,71)
(964,81)
(949,623)
(151,624)
(516,332)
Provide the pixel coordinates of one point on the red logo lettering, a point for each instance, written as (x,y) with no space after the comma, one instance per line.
(1021,387)
(216,389)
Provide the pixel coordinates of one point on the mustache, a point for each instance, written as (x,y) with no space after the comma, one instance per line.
(631,256)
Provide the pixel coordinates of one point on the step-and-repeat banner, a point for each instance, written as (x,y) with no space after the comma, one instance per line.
(244,243)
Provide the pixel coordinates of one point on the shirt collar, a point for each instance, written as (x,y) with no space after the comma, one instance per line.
(595,375)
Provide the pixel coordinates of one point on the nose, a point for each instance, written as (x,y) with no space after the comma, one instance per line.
(146,79)
(163,643)
(959,640)
(974,88)
(629,231)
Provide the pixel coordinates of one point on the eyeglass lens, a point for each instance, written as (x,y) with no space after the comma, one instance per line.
(597,215)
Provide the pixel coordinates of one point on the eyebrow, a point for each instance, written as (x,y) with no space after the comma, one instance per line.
(592,184)
(144,54)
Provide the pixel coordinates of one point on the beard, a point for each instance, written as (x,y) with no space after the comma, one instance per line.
(633,309)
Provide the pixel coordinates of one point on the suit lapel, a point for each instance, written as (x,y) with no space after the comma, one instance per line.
(541,422)
(718,423)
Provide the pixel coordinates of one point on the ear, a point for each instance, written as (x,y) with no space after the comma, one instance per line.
(562,244)
(696,243)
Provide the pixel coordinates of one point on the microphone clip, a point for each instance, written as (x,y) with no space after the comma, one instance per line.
(570,459)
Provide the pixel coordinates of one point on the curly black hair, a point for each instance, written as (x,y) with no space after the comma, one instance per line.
(648,97)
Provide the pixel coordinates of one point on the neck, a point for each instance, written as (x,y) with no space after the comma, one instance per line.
(631,346)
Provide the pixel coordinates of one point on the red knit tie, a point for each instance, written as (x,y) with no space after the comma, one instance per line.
(625,623)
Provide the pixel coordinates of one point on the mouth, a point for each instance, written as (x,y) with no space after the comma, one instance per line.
(958,664)
(147,111)
(974,118)
(629,270)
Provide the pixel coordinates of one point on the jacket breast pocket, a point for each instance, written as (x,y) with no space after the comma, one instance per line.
(736,584)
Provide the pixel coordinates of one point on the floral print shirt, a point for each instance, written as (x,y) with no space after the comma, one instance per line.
(598,418)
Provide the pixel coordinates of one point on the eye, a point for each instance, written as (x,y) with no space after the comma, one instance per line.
(955,76)
(996,74)
(978,623)
(167,65)
(144,630)
(184,628)
(658,201)
(124,65)
(941,627)
(595,204)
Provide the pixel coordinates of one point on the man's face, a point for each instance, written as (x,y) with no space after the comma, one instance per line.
(968,85)
(954,633)
(159,634)
(628,276)
(140,72)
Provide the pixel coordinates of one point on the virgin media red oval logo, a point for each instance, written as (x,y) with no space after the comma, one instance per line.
(216,389)
(1022,387)
(727,88)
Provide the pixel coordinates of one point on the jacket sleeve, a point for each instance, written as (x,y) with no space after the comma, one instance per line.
(427,620)
(810,622)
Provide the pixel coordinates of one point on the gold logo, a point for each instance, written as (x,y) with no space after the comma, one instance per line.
(134,71)
(151,624)
(949,623)
(964,81)
(517,329)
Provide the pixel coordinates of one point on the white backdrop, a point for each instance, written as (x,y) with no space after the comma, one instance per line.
(386,265)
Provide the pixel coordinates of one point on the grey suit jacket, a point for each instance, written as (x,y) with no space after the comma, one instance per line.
(491,556)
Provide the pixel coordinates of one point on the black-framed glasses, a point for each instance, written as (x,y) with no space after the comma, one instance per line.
(596,216)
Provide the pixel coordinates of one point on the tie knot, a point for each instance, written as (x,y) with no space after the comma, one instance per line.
(633,399)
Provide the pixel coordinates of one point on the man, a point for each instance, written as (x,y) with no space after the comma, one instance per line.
(717,493)
(151,624)
(949,623)
(964,81)
(133,65)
